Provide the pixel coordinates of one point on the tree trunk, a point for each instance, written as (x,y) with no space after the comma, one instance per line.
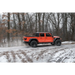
(19,21)
(36,22)
(39,15)
(46,27)
(64,26)
(8,34)
(43,22)
(24,25)
(58,24)
(14,21)
(15,26)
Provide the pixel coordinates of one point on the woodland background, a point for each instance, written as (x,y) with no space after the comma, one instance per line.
(15,23)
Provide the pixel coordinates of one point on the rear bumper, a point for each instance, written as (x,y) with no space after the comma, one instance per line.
(25,42)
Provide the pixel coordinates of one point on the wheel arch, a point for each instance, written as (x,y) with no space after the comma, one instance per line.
(33,39)
(56,39)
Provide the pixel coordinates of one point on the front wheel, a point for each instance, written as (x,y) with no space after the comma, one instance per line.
(58,42)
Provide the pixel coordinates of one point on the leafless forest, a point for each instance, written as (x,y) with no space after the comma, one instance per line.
(15,23)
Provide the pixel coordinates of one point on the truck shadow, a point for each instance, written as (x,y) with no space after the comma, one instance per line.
(43,45)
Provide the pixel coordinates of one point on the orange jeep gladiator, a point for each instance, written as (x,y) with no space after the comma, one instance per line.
(42,37)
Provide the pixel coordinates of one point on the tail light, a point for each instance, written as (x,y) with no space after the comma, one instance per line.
(25,38)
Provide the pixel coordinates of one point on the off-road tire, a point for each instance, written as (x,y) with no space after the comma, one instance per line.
(33,43)
(58,42)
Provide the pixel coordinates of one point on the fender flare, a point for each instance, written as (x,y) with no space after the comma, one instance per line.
(33,39)
(56,39)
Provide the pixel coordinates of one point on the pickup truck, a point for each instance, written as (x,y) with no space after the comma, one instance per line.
(41,37)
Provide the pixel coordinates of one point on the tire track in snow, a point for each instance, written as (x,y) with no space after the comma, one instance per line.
(66,55)
(56,60)
(27,57)
(27,54)
(3,53)
(21,57)
(8,56)
(60,59)
(13,55)
(60,49)
(43,53)
(54,51)
(40,54)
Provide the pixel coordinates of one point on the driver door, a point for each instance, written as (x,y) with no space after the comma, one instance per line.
(42,37)
(49,37)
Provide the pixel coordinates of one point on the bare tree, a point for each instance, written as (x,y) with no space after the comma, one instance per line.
(61,24)
(43,21)
(19,21)
(39,18)
(8,34)
(36,22)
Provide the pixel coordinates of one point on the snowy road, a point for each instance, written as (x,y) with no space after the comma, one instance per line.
(43,53)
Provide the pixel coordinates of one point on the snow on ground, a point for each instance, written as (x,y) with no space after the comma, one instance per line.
(68,42)
(43,53)
(3,58)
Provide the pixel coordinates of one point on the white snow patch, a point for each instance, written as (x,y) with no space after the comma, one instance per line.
(18,61)
(68,42)
(3,58)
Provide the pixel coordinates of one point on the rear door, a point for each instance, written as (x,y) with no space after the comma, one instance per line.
(49,37)
(42,37)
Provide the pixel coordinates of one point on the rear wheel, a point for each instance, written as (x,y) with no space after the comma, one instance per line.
(33,43)
(58,42)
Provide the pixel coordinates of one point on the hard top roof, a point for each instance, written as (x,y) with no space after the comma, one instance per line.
(42,32)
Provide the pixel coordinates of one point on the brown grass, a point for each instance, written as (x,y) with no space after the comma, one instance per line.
(13,55)
(29,59)
(7,54)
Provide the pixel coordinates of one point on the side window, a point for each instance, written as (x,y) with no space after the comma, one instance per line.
(42,34)
(48,35)
(37,34)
